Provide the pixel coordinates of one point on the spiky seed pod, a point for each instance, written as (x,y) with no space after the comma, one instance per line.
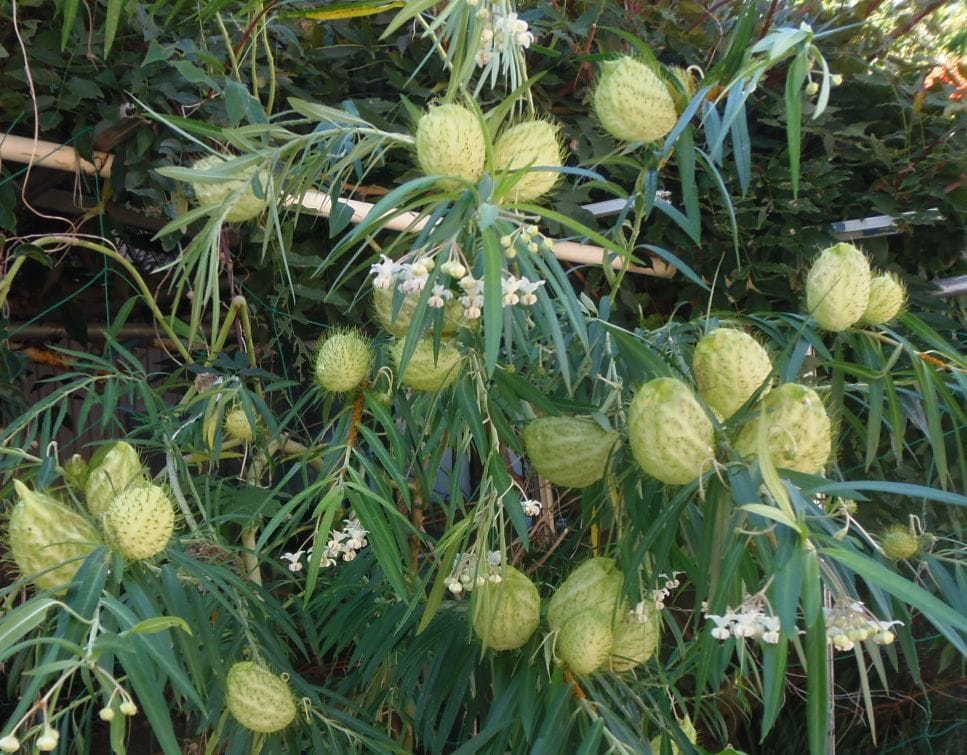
(344,361)
(838,287)
(888,297)
(119,468)
(450,141)
(594,585)
(687,726)
(569,451)
(237,425)
(76,472)
(585,641)
(531,144)
(634,641)
(670,434)
(798,430)
(899,543)
(399,326)
(44,533)
(245,205)
(506,613)
(140,522)
(258,699)
(730,366)
(632,102)
(426,372)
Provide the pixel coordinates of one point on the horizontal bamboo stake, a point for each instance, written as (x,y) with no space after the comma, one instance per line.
(20,149)
(569,251)
(63,157)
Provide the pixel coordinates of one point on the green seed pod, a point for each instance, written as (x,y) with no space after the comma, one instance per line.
(888,297)
(140,522)
(258,699)
(899,543)
(594,585)
(44,534)
(399,326)
(424,372)
(635,641)
(343,362)
(237,425)
(76,472)
(240,191)
(119,468)
(569,451)
(730,366)
(506,613)
(838,287)
(670,434)
(450,142)
(798,430)
(531,144)
(632,102)
(585,641)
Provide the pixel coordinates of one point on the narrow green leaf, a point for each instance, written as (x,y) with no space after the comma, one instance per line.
(21,621)
(795,78)
(493,315)
(817,658)
(158,624)
(70,14)
(113,18)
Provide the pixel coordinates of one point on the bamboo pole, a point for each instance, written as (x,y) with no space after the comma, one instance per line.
(20,149)
(63,157)
(569,251)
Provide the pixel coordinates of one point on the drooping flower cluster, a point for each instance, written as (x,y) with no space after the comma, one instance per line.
(749,620)
(411,278)
(849,623)
(344,543)
(468,572)
(660,594)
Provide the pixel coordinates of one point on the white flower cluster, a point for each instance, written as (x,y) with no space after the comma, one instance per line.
(503,32)
(847,624)
(748,621)
(342,543)
(412,278)
(467,572)
(671,583)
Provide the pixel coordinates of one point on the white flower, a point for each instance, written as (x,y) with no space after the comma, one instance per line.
(383,272)
(414,282)
(454,586)
(771,638)
(531,508)
(528,291)
(721,633)
(509,288)
(473,313)
(439,296)
(640,612)
(294,559)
